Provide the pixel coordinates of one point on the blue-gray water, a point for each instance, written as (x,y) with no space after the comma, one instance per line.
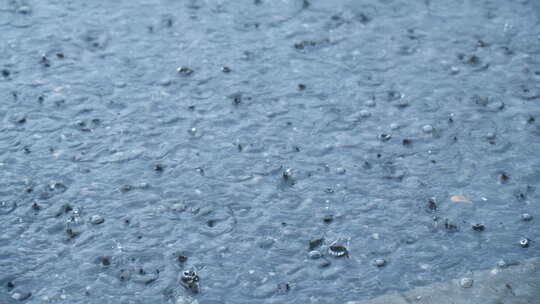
(380,109)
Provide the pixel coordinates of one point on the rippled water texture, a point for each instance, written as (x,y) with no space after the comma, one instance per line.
(285,151)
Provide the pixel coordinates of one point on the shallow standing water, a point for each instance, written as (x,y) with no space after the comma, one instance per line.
(383,128)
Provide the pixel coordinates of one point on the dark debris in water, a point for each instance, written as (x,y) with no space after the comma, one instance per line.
(431,205)
(311,44)
(450,226)
(478,227)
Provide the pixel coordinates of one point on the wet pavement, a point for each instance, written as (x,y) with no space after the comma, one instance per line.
(257,151)
(510,284)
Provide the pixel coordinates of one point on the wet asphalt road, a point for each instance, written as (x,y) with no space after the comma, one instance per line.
(285,151)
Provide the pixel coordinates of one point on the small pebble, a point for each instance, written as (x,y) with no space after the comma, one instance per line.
(526,217)
(315,254)
(379,262)
(365,113)
(524,242)
(427,129)
(97,219)
(466,282)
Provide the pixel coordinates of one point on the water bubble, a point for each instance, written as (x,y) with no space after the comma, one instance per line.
(24,10)
(185,71)
(524,242)
(97,219)
(385,137)
(379,262)
(21,296)
(466,282)
(314,254)
(165,82)
(402,103)
(365,113)
(526,217)
(287,174)
(427,129)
